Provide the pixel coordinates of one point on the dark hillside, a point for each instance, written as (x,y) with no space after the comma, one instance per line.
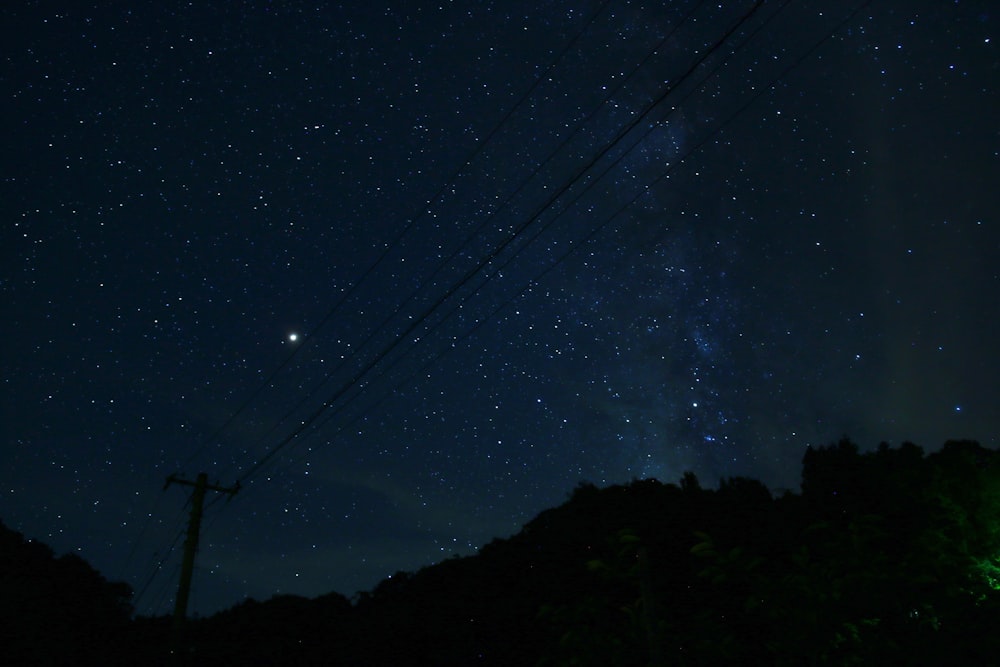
(56,611)
(887,557)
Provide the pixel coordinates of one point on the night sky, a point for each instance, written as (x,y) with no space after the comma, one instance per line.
(410,271)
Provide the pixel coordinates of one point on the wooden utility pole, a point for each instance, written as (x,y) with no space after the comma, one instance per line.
(200,485)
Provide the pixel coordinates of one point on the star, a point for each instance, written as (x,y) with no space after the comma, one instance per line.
(742,284)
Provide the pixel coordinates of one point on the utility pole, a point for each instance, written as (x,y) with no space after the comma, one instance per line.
(200,485)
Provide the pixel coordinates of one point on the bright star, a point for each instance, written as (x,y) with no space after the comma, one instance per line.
(292,337)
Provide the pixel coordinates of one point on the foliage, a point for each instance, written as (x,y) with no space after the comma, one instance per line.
(885,557)
(56,611)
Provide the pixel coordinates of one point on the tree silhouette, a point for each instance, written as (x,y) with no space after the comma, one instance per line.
(56,611)
(885,557)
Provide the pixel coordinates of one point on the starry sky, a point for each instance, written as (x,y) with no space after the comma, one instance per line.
(410,272)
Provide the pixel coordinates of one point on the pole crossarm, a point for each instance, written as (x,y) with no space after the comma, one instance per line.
(174,479)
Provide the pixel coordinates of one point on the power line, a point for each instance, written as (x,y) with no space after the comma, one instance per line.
(596,230)
(444,262)
(448,259)
(425,208)
(164,590)
(142,531)
(158,567)
(492,255)
(500,267)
